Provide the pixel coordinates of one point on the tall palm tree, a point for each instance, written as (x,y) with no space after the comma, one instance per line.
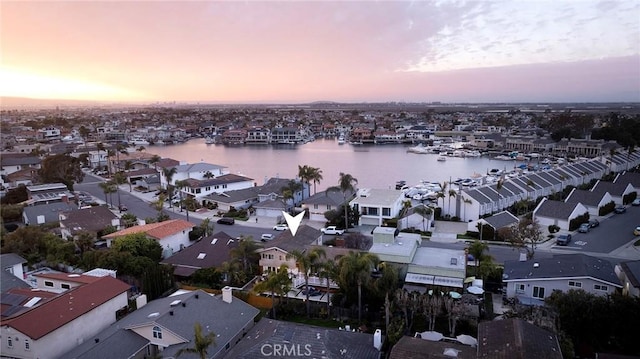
(169,172)
(120,148)
(158,204)
(118,179)
(346,184)
(108,188)
(201,342)
(465,202)
(276,282)
(128,165)
(328,270)
(406,205)
(357,267)
(245,254)
(305,175)
(180,185)
(289,192)
(424,212)
(452,193)
(154,160)
(307,262)
(316,177)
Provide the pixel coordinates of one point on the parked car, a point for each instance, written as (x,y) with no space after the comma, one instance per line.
(594,223)
(280,227)
(584,228)
(563,239)
(636,202)
(636,232)
(266,237)
(226,220)
(123,208)
(620,209)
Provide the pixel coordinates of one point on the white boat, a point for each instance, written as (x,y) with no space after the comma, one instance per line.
(442,159)
(209,140)
(138,141)
(341,140)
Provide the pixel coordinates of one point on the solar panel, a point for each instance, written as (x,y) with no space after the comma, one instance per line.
(12,299)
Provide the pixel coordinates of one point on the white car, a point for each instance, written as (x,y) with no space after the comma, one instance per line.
(280,227)
(266,237)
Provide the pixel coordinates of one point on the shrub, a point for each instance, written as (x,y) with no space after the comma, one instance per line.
(606,209)
(553,228)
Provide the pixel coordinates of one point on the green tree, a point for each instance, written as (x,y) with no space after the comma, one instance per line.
(406,205)
(28,242)
(307,262)
(526,235)
(356,268)
(15,195)
(316,177)
(328,270)
(477,250)
(201,343)
(207,227)
(169,172)
(108,188)
(424,212)
(305,173)
(245,254)
(139,245)
(118,179)
(277,282)
(346,184)
(61,168)
(180,185)
(154,161)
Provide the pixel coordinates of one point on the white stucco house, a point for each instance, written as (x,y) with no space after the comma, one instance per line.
(377,205)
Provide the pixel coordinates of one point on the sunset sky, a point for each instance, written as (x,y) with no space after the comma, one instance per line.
(301,51)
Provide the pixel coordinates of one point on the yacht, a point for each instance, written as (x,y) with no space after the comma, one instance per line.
(341,140)
(209,140)
(138,141)
(441,158)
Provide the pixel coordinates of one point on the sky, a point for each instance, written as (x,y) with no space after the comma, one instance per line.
(304,51)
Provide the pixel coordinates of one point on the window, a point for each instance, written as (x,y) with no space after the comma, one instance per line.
(65,286)
(600,287)
(315,206)
(48,283)
(575,284)
(27,345)
(10,343)
(538,292)
(386,212)
(519,288)
(157,332)
(454,261)
(372,211)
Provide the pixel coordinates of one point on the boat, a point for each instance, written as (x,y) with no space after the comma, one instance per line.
(138,141)
(442,159)
(209,140)
(341,140)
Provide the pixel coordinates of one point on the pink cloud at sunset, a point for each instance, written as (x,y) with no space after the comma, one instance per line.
(477,51)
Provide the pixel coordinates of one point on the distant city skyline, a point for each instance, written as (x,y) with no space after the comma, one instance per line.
(299,52)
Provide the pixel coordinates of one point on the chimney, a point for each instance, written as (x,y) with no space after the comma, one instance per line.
(377,339)
(227,294)
(64,198)
(171,312)
(97,340)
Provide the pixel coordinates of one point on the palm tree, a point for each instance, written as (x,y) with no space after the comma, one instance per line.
(208,175)
(346,184)
(120,148)
(424,212)
(477,249)
(180,185)
(158,204)
(140,148)
(357,267)
(405,208)
(464,207)
(305,174)
(307,262)
(276,282)
(154,160)
(168,174)
(118,179)
(201,343)
(329,271)
(207,227)
(452,193)
(128,165)
(289,192)
(316,177)
(108,188)
(245,254)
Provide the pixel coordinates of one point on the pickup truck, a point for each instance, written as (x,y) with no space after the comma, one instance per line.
(331,230)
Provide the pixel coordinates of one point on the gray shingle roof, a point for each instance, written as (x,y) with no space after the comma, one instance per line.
(501,220)
(629,177)
(216,249)
(220,180)
(11,259)
(516,338)
(562,266)
(305,236)
(9,281)
(332,198)
(321,342)
(614,189)
(95,219)
(49,211)
(555,209)
(246,194)
(587,198)
(478,196)
(632,270)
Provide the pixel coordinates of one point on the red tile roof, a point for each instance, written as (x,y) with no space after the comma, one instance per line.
(68,306)
(155,230)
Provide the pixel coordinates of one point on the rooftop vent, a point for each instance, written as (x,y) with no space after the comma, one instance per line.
(153,315)
(536,265)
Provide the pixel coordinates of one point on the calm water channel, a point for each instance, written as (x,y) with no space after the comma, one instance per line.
(374,166)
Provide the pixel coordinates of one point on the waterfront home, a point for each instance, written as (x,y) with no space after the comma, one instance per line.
(166,325)
(533,280)
(549,212)
(285,135)
(57,325)
(198,171)
(172,235)
(419,217)
(275,253)
(200,188)
(377,205)
(238,199)
(629,274)
(321,202)
(208,252)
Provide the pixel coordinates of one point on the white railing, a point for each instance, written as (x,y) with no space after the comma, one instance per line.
(314,281)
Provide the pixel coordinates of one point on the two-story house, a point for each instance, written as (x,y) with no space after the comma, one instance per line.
(277,252)
(377,205)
